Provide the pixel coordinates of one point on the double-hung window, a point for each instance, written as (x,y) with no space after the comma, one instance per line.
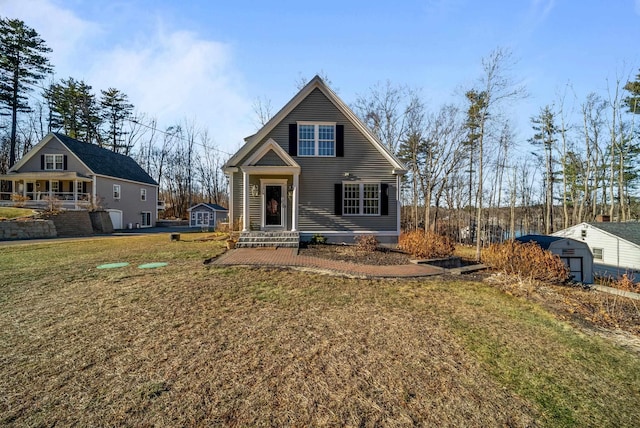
(316,139)
(116,191)
(54,162)
(361,199)
(143,194)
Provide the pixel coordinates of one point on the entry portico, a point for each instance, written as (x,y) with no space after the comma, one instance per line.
(271,178)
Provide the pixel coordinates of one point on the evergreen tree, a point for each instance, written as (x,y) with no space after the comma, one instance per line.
(74,110)
(23,62)
(633,100)
(114,110)
(545,135)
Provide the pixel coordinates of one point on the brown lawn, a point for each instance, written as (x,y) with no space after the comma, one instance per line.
(191,345)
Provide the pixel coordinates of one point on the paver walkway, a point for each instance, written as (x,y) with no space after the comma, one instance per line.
(289,257)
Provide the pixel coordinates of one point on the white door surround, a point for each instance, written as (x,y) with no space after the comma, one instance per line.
(273,192)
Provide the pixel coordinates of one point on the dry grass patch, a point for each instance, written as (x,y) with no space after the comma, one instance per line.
(188,345)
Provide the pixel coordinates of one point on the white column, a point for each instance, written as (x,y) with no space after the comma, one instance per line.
(231,207)
(94,195)
(294,201)
(75,194)
(245,199)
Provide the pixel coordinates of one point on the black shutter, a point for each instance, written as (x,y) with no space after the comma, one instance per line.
(42,162)
(65,162)
(46,186)
(84,187)
(384,199)
(340,141)
(338,199)
(293,139)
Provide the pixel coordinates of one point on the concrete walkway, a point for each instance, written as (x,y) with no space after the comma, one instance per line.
(288,257)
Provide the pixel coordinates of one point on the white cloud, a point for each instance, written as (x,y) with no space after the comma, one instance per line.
(173,75)
(176,76)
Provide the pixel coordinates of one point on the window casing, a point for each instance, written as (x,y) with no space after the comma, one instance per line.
(361,198)
(146,218)
(54,162)
(143,194)
(55,186)
(598,253)
(316,139)
(116,191)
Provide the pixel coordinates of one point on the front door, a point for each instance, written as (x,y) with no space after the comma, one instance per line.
(273,205)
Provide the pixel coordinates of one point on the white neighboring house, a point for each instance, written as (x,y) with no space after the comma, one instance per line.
(615,246)
(207,215)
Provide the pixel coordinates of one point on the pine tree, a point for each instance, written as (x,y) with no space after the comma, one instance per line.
(23,63)
(114,110)
(545,136)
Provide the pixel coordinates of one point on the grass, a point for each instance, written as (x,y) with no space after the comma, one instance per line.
(189,345)
(9,212)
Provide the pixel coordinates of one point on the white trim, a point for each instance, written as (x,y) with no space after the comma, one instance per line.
(398,203)
(294,201)
(113,193)
(282,182)
(207,206)
(110,177)
(245,202)
(316,138)
(231,207)
(315,83)
(271,170)
(271,144)
(143,191)
(353,233)
(361,184)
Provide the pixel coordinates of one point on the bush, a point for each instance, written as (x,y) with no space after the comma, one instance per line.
(625,282)
(526,260)
(426,245)
(367,243)
(318,239)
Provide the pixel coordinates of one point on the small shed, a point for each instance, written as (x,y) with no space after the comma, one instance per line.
(575,254)
(207,215)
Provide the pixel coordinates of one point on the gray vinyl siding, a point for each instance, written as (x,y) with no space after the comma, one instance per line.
(319,175)
(129,202)
(271,158)
(54,147)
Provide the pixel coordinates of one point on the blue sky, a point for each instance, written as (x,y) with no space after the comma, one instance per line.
(208,61)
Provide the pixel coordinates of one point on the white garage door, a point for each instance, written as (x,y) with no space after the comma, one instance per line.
(116,218)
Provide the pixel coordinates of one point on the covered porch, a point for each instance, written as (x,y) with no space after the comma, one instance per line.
(68,190)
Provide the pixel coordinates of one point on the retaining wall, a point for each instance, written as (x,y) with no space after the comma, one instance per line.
(72,223)
(27,229)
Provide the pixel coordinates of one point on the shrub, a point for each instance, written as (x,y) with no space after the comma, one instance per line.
(318,239)
(426,245)
(526,260)
(625,282)
(367,243)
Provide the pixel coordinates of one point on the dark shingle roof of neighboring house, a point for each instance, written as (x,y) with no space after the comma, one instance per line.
(215,207)
(105,162)
(629,231)
(543,241)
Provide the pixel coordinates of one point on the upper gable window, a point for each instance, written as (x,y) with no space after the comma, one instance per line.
(54,162)
(316,139)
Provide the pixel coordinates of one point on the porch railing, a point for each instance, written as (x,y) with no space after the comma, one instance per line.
(38,199)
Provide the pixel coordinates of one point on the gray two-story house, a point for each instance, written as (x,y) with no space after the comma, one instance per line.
(71,174)
(316,169)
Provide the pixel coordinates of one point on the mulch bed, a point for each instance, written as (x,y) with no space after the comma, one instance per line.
(348,253)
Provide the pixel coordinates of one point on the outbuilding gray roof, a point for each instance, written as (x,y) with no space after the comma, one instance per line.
(629,230)
(105,162)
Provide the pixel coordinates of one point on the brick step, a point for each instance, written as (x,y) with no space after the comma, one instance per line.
(269,239)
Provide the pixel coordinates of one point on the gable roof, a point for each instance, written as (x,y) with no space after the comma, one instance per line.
(214,207)
(315,83)
(629,231)
(98,160)
(105,162)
